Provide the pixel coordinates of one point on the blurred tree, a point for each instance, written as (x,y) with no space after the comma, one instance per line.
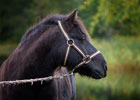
(100,16)
(113,17)
(88,9)
(41,8)
(17,15)
(12,17)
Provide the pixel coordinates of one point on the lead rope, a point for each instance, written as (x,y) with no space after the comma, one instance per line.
(32,81)
(70,43)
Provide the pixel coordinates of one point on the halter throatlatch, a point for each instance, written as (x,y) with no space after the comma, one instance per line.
(70,43)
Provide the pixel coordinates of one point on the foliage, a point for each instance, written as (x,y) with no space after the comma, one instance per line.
(13,20)
(16,16)
(111,17)
(87,10)
(103,18)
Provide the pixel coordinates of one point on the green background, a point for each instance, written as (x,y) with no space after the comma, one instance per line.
(114,26)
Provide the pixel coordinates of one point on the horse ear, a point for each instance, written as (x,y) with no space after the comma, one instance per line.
(72,16)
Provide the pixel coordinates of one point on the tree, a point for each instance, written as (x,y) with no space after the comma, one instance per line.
(16,16)
(113,17)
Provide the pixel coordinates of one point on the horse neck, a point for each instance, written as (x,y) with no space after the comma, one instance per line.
(31,61)
(41,60)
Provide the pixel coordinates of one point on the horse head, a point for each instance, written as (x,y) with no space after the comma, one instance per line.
(72,46)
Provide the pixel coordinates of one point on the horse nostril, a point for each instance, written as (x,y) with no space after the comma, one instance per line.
(105,67)
(104,74)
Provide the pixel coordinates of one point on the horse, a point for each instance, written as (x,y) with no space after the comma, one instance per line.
(58,40)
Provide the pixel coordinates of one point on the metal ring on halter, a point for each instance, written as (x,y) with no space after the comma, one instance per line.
(87,59)
(70,42)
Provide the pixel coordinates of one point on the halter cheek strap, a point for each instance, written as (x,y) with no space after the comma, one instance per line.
(70,43)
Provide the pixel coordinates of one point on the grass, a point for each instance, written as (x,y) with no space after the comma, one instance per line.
(116,86)
(120,51)
(122,82)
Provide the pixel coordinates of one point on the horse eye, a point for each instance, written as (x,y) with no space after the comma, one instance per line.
(79,37)
(83,37)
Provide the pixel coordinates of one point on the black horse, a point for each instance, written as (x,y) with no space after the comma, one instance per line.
(40,52)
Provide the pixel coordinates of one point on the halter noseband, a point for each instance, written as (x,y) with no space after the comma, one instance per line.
(70,43)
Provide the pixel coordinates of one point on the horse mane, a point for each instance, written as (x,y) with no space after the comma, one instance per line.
(41,27)
(46,23)
(82,27)
(64,83)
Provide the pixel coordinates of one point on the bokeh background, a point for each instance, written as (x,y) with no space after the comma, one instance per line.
(114,26)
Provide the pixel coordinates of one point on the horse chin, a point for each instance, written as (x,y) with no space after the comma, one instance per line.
(89,73)
(95,76)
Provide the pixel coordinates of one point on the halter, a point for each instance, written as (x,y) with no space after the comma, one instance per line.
(70,43)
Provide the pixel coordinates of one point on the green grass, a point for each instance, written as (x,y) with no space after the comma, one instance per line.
(116,86)
(122,82)
(120,51)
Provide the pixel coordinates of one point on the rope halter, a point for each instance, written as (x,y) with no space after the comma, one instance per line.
(70,43)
